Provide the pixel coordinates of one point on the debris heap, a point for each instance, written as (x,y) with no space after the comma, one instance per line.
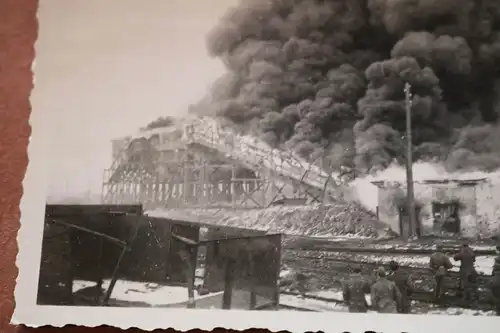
(320,220)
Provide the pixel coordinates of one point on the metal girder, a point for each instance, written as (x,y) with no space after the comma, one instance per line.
(198,180)
(248,195)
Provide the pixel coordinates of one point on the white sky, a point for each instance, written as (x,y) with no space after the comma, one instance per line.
(104,68)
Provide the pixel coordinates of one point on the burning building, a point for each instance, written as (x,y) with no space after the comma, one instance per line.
(197,162)
(467,208)
(198,165)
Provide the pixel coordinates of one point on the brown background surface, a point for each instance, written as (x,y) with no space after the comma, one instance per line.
(18,32)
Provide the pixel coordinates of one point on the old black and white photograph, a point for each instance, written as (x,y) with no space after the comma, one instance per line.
(312,157)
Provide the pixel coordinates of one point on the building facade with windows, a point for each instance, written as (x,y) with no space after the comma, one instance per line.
(468,208)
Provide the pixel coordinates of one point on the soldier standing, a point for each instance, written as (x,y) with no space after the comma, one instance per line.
(354,292)
(403,282)
(385,295)
(439,264)
(468,273)
(495,283)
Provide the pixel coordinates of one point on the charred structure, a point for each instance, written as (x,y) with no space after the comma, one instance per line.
(238,268)
(197,162)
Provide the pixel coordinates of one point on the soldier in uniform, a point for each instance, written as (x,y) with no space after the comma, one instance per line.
(468,273)
(439,264)
(403,282)
(385,295)
(495,283)
(354,292)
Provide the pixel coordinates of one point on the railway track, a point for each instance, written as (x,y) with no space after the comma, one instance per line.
(448,300)
(291,257)
(379,250)
(330,272)
(333,275)
(315,297)
(374,265)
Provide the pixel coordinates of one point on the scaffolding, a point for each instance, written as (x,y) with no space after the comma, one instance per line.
(200,163)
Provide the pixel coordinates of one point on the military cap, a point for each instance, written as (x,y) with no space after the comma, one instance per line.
(380,272)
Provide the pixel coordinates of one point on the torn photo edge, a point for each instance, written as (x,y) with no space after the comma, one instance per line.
(28,313)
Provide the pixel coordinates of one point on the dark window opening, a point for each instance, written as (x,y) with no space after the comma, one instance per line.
(404,221)
(446,217)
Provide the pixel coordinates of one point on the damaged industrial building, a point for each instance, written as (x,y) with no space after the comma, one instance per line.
(468,208)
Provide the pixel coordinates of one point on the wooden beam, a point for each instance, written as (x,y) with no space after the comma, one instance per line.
(185,240)
(100,234)
(114,276)
(233,186)
(227,296)
(68,210)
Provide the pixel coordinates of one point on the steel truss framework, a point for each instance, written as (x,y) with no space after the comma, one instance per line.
(196,182)
(213,167)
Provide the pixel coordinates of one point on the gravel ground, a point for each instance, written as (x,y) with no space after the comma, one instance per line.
(323,274)
(416,307)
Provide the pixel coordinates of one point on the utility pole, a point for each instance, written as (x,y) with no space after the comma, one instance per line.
(409,163)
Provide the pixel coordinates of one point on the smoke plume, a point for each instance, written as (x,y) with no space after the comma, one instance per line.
(326,78)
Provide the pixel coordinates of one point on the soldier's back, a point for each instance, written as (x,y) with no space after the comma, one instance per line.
(356,288)
(383,288)
(438,260)
(401,279)
(383,296)
(360,287)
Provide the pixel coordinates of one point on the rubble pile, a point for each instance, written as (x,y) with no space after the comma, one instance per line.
(331,220)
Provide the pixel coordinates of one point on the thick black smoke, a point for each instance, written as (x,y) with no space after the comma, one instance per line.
(159,123)
(326,78)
